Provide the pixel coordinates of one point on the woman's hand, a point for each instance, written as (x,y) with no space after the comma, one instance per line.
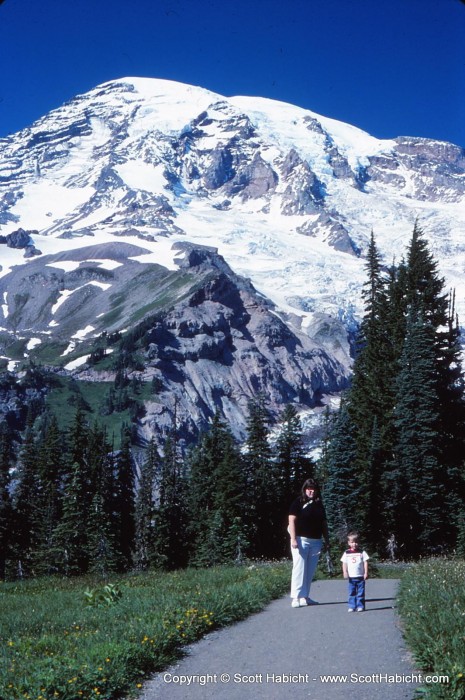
(294,544)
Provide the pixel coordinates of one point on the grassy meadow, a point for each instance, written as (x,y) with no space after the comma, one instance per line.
(84,639)
(432,608)
(75,639)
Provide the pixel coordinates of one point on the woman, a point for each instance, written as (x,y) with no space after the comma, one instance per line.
(307,525)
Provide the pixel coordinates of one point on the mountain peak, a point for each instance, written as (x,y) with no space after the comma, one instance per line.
(288,197)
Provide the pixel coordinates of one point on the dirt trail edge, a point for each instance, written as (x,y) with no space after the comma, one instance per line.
(284,653)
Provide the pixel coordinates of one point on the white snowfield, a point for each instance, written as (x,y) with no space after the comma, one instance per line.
(62,192)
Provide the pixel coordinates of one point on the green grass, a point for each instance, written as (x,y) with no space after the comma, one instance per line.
(432,607)
(49,352)
(17,349)
(64,397)
(55,646)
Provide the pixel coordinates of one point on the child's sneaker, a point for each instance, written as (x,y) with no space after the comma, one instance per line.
(351,610)
(360,609)
(295,603)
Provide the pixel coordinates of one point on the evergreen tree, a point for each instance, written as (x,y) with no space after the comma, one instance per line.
(451,425)
(426,297)
(101,546)
(71,544)
(170,540)
(262,482)
(343,490)
(78,437)
(370,400)
(415,478)
(27,499)
(408,330)
(5,499)
(125,501)
(145,508)
(104,524)
(292,467)
(216,495)
(50,465)
(321,467)
(70,537)
(424,287)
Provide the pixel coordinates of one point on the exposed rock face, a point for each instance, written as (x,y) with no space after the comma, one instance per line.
(210,340)
(223,345)
(304,192)
(31,251)
(437,169)
(230,163)
(332,231)
(254,180)
(19,238)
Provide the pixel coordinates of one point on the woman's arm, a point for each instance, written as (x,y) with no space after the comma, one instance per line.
(326,533)
(292,519)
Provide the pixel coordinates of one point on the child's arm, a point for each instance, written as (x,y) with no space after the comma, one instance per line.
(344,570)
(365,575)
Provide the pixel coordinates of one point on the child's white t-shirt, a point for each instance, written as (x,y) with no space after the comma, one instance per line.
(355,562)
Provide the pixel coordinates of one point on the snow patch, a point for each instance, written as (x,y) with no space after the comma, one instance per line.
(64,295)
(81,334)
(33,342)
(101,285)
(77,363)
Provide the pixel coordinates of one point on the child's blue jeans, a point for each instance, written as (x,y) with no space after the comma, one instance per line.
(357,593)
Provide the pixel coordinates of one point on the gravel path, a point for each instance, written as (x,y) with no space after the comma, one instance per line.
(283,652)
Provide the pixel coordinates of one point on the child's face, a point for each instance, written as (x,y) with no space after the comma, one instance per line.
(352,543)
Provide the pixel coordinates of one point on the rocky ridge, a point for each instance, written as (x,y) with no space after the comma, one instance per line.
(121,185)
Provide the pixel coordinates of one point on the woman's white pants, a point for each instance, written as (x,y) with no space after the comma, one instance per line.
(304,562)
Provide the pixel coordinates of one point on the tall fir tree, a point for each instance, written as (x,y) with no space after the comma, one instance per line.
(104,557)
(262,480)
(216,497)
(292,467)
(370,400)
(415,478)
(103,526)
(125,501)
(403,309)
(451,427)
(27,501)
(170,537)
(343,489)
(51,466)
(6,454)
(70,537)
(292,464)
(145,508)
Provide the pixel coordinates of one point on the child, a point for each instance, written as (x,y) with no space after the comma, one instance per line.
(355,568)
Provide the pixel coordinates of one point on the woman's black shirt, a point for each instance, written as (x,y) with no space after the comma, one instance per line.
(310,517)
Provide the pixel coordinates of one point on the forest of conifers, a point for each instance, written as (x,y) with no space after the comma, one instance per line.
(391,465)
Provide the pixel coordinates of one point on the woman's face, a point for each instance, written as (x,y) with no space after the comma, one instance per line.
(310,492)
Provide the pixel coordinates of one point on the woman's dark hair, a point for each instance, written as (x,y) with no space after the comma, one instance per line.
(310,484)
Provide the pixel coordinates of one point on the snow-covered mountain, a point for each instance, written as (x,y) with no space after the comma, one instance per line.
(287,197)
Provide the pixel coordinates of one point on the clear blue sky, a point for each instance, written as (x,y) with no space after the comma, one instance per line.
(392,68)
